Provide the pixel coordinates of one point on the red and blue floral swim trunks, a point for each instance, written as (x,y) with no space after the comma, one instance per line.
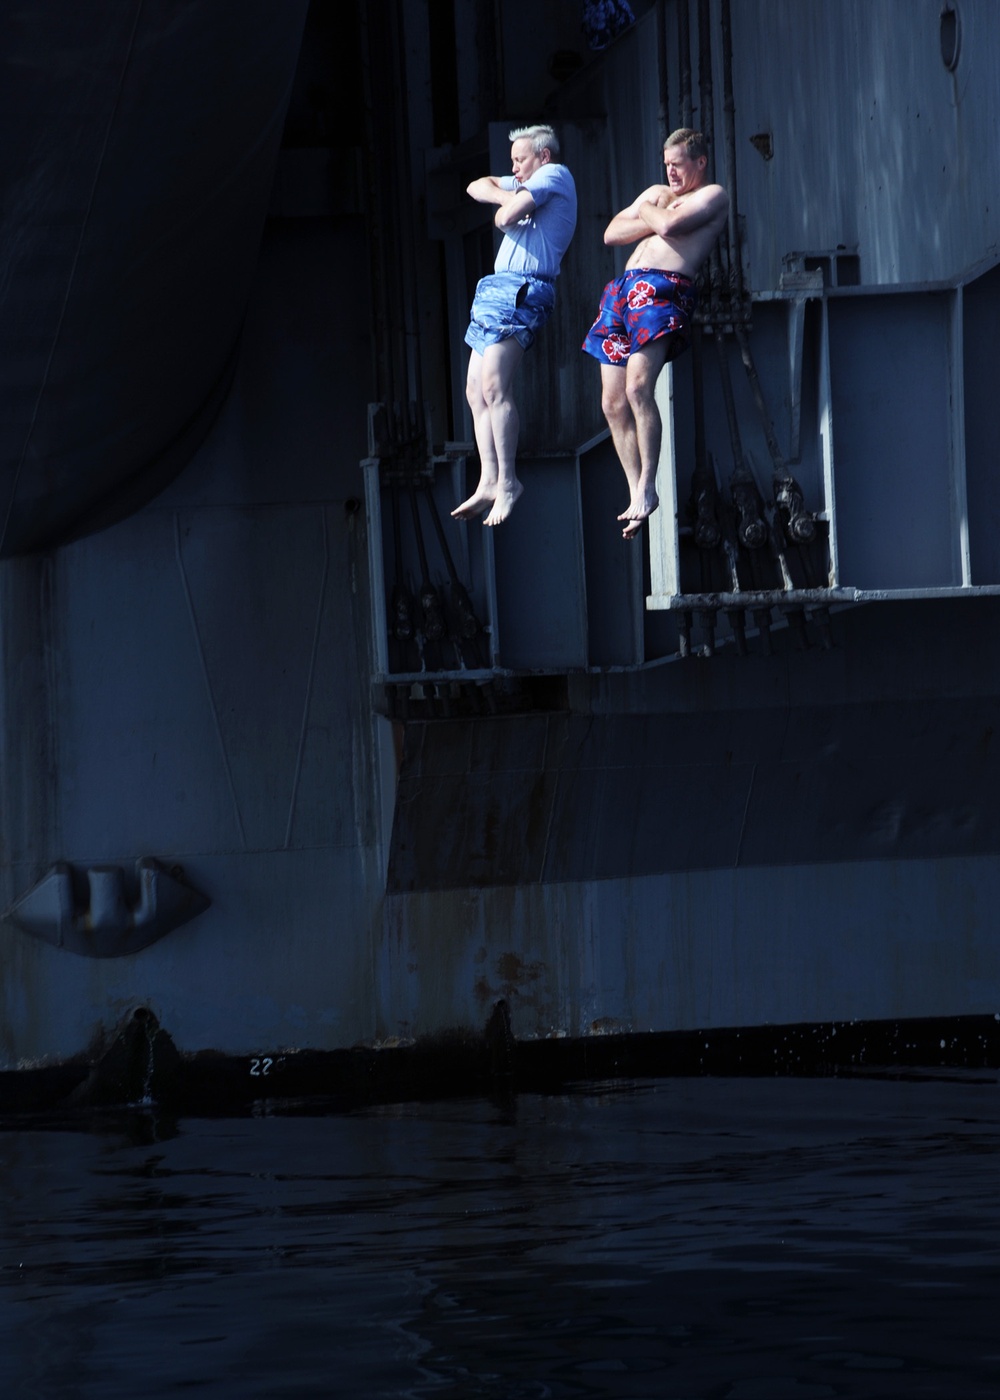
(643,304)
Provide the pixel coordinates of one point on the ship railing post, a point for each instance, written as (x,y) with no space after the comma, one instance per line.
(376,577)
(956,397)
(664,564)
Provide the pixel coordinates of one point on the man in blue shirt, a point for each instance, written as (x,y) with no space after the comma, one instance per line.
(536,209)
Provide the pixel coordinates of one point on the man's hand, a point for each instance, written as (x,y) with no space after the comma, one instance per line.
(629,226)
(514,209)
(513,205)
(686,214)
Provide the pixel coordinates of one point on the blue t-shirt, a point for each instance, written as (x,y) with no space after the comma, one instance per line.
(536,245)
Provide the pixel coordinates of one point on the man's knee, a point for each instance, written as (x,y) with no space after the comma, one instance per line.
(494,390)
(615,407)
(474,387)
(614,400)
(639,393)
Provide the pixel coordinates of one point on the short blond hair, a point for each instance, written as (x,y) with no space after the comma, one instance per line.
(693,141)
(542,138)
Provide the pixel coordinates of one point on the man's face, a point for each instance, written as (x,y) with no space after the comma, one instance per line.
(683,173)
(523,159)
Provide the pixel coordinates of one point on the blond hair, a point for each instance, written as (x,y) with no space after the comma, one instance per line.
(542,138)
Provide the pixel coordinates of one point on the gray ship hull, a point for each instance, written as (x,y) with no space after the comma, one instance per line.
(654,814)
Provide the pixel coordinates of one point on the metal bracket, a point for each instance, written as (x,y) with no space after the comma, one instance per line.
(805,286)
(106,924)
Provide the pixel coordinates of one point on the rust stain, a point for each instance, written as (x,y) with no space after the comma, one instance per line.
(608,1025)
(512,969)
(512,976)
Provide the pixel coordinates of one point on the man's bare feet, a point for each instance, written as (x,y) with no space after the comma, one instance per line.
(640,508)
(504,503)
(477,504)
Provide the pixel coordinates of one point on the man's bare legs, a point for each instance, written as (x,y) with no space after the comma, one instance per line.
(621,421)
(496,423)
(636,427)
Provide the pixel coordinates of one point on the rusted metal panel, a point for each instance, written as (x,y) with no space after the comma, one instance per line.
(194,686)
(890,372)
(698,949)
(541,586)
(635,794)
(875,142)
(981,355)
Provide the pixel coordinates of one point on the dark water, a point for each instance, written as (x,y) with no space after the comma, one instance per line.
(683,1239)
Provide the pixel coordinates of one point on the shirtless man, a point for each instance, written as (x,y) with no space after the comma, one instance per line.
(536,209)
(645,315)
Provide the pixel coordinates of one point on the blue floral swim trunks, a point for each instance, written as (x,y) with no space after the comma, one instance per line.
(509,304)
(643,304)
